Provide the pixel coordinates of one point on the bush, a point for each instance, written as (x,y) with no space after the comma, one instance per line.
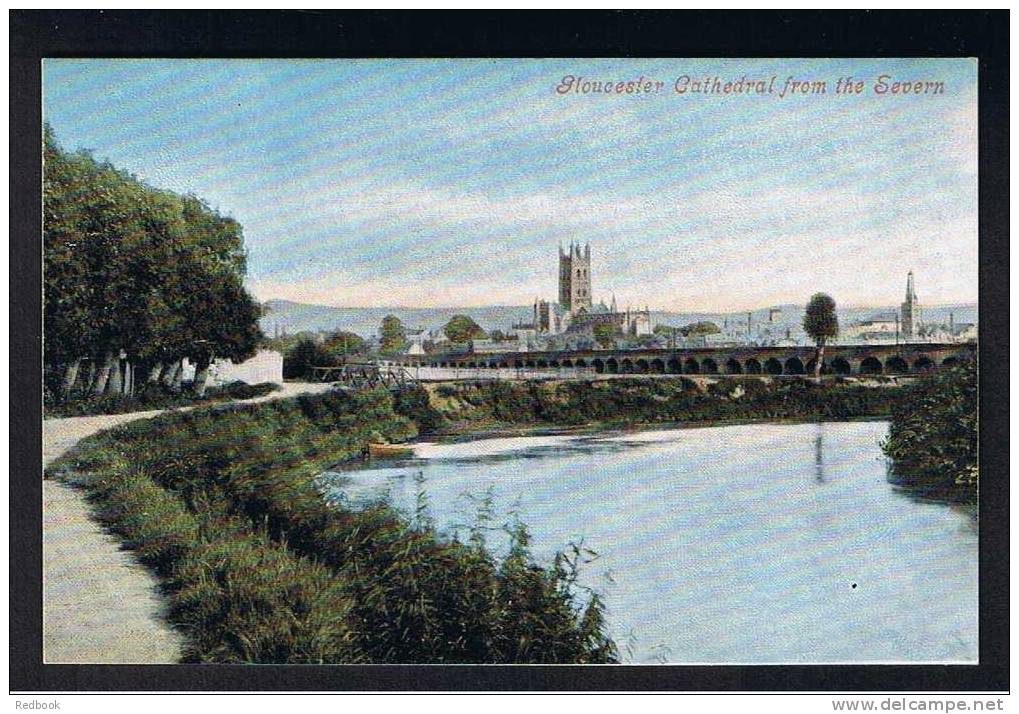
(640,401)
(932,441)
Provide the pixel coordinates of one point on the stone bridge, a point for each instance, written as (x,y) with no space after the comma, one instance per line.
(839,359)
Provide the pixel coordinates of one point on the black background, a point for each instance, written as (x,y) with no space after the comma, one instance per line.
(38,34)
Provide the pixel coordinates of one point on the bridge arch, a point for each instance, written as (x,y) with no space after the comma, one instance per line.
(923,364)
(840,365)
(658,366)
(568,363)
(896,365)
(580,363)
(732,366)
(611,366)
(529,364)
(518,363)
(825,367)
(674,366)
(691,366)
(794,365)
(554,363)
(542,364)
(641,366)
(870,365)
(752,366)
(709,366)
(599,366)
(773,366)
(626,367)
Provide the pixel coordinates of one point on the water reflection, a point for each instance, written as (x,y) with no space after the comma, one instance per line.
(722,545)
(819,454)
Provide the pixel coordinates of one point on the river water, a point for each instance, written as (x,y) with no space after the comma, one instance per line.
(741,544)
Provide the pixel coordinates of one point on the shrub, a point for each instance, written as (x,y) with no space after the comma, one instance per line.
(932,440)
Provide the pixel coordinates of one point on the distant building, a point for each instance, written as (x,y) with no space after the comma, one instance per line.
(877,328)
(910,312)
(486,346)
(417,339)
(951,332)
(576,312)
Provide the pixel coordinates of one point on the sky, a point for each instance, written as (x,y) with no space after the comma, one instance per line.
(453,182)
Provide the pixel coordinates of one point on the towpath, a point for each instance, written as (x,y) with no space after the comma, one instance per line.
(100,606)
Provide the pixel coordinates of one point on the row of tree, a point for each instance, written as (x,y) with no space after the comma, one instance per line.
(136,274)
(306,350)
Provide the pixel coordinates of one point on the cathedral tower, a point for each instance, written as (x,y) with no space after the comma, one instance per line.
(575,278)
(910,311)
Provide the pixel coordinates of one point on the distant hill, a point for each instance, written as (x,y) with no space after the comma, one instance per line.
(295,317)
(365,321)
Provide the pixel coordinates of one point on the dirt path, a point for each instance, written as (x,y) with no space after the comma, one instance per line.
(99,605)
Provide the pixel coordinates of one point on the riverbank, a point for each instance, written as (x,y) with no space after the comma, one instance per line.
(220,503)
(452,409)
(100,605)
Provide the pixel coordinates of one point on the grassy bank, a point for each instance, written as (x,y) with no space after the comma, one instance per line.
(933,436)
(221,504)
(458,407)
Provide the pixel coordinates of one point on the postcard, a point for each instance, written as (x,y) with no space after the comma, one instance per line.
(503,361)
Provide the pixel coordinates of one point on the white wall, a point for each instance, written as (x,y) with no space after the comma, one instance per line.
(265,366)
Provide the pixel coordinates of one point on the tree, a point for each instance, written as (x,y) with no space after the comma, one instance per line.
(933,434)
(394,335)
(462,328)
(704,327)
(340,344)
(299,361)
(132,270)
(605,333)
(821,323)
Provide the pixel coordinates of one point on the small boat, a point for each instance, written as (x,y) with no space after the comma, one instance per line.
(389,450)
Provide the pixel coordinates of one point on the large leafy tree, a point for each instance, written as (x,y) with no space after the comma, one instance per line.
(704,327)
(821,323)
(393,334)
(341,344)
(605,333)
(131,270)
(463,328)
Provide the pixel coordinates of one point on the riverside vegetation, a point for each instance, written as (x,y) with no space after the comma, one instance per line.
(154,396)
(933,437)
(222,503)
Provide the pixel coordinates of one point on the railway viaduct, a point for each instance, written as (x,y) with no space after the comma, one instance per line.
(839,359)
